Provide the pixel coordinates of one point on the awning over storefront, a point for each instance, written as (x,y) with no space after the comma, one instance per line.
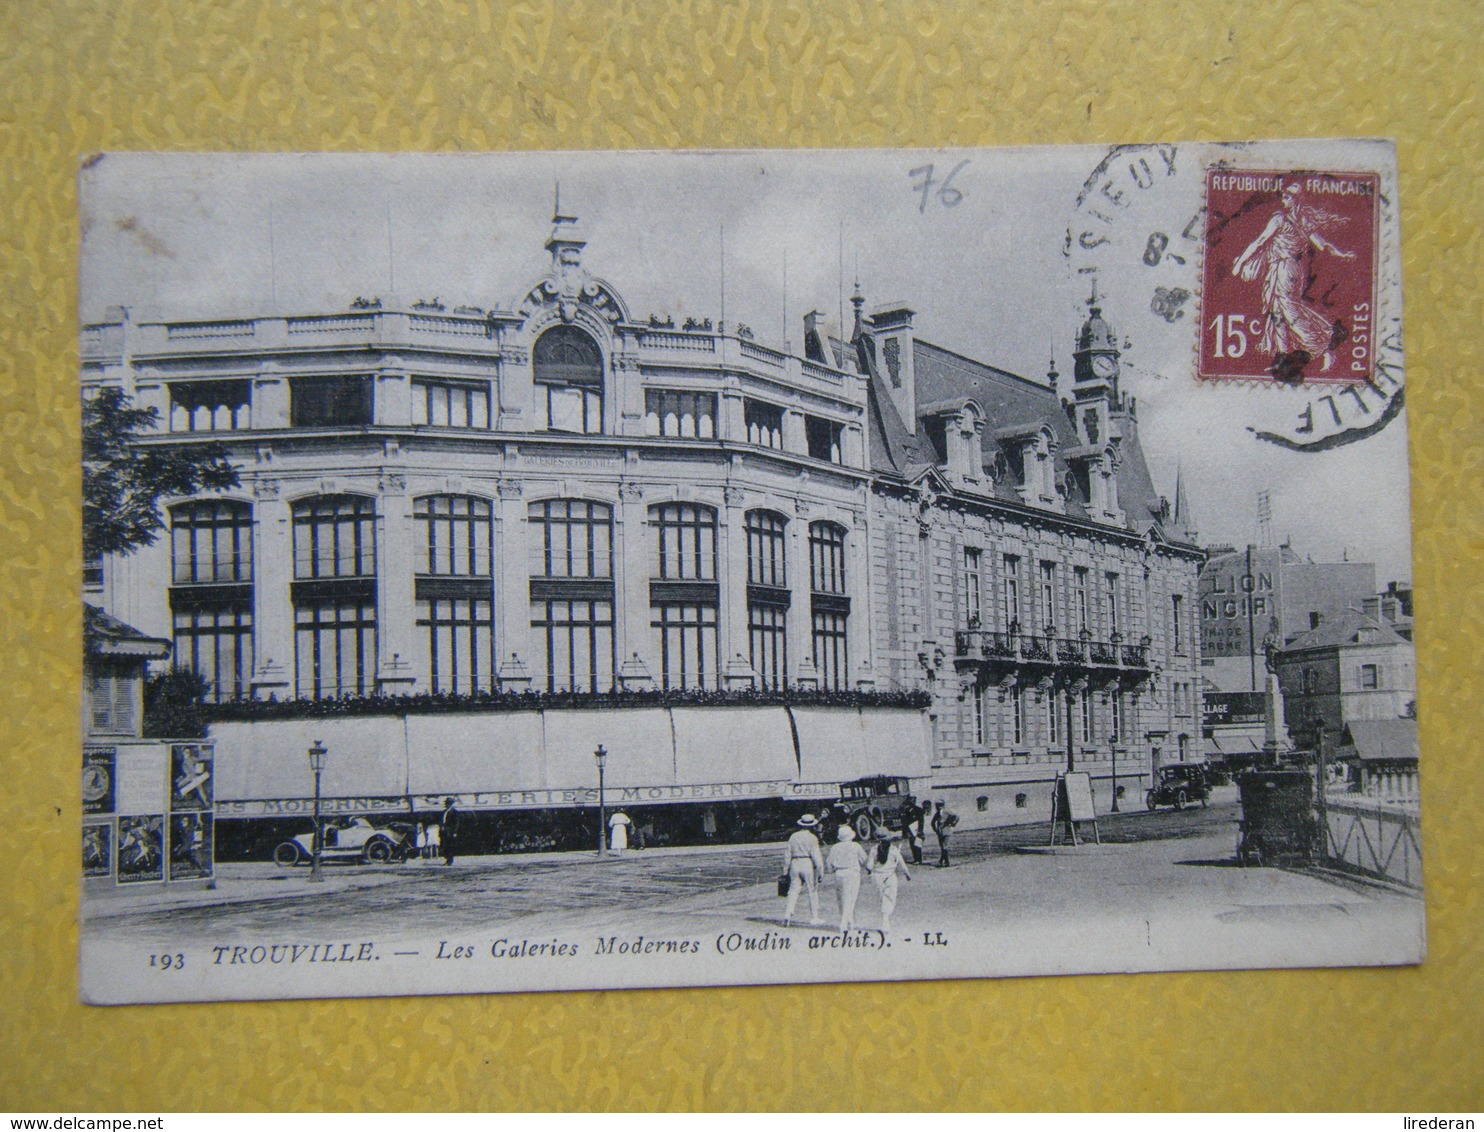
(841,744)
(744,744)
(454,754)
(639,742)
(1224,746)
(530,759)
(367,758)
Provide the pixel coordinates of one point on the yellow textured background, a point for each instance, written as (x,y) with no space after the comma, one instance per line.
(467,74)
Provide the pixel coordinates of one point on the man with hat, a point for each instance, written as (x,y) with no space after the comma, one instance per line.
(884,862)
(449,833)
(804,864)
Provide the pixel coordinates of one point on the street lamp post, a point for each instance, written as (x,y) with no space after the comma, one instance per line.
(1113,749)
(601,756)
(317,755)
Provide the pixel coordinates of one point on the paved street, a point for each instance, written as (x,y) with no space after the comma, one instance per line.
(1163,859)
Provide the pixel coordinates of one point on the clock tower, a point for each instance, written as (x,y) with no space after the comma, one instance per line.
(1095,373)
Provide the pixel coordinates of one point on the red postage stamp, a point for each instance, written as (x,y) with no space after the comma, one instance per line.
(1289,282)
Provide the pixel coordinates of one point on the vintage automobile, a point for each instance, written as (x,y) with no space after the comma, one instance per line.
(348,839)
(867,804)
(1179,784)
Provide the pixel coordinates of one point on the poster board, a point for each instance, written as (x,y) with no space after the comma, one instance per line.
(182,80)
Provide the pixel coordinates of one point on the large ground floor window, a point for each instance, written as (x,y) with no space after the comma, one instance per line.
(461,643)
(335,648)
(688,645)
(216,644)
(767,630)
(577,640)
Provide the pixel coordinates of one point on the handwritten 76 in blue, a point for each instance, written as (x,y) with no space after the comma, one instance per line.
(931,187)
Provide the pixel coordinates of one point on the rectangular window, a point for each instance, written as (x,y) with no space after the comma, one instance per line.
(1048,597)
(211,542)
(454,536)
(450,404)
(1176,629)
(1112,599)
(210,406)
(687,644)
(675,412)
(981,738)
(830,655)
(1116,706)
(1079,598)
(461,634)
(1370,676)
(111,700)
(214,640)
(1086,706)
(574,540)
(971,585)
(764,423)
(572,408)
(767,630)
(1012,594)
(823,439)
(92,572)
(335,537)
(768,598)
(335,648)
(330,402)
(687,542)
(1053,718)
(578,640)
(1017,716)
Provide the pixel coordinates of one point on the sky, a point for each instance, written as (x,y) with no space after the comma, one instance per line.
(993,259)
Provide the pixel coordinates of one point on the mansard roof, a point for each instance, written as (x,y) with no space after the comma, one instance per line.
(1011,405)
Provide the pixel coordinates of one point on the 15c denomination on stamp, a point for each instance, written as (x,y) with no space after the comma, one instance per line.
(1289,279)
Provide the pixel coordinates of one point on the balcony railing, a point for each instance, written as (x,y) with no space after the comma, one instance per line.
(993,645)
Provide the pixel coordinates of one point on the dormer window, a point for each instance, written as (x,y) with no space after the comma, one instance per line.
(567,367)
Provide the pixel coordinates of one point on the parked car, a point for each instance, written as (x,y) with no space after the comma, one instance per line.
(348,839)
(867,804)
(1179,784)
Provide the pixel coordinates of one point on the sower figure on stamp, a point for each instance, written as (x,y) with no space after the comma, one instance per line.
(1293,330)
(805,866)
(449,833)
(884,862)
(846,860)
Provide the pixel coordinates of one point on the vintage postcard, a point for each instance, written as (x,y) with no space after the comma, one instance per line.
(553,571)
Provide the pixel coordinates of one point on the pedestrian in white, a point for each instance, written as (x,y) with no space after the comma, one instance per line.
(884,862)
(431,849)
(804,864)
(847,860)
(618,832)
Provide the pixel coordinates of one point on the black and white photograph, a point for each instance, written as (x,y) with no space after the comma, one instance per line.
(574,570)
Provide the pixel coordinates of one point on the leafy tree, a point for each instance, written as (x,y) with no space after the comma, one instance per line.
(172,705)
(122,480)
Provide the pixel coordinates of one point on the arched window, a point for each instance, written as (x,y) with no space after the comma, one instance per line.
(211,598)
(571,542)
(829,604)
(768,597)
(567,367)
(455,591)
(683,594)
(334,595)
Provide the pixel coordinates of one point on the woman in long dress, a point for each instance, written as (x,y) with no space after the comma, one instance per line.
(1279,254)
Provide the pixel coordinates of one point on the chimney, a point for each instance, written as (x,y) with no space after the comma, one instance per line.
(813,343)
(890,328)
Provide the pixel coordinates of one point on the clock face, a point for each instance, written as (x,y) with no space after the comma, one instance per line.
(1104,366)
(94,783)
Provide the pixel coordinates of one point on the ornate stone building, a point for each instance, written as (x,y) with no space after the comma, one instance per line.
(558,497)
